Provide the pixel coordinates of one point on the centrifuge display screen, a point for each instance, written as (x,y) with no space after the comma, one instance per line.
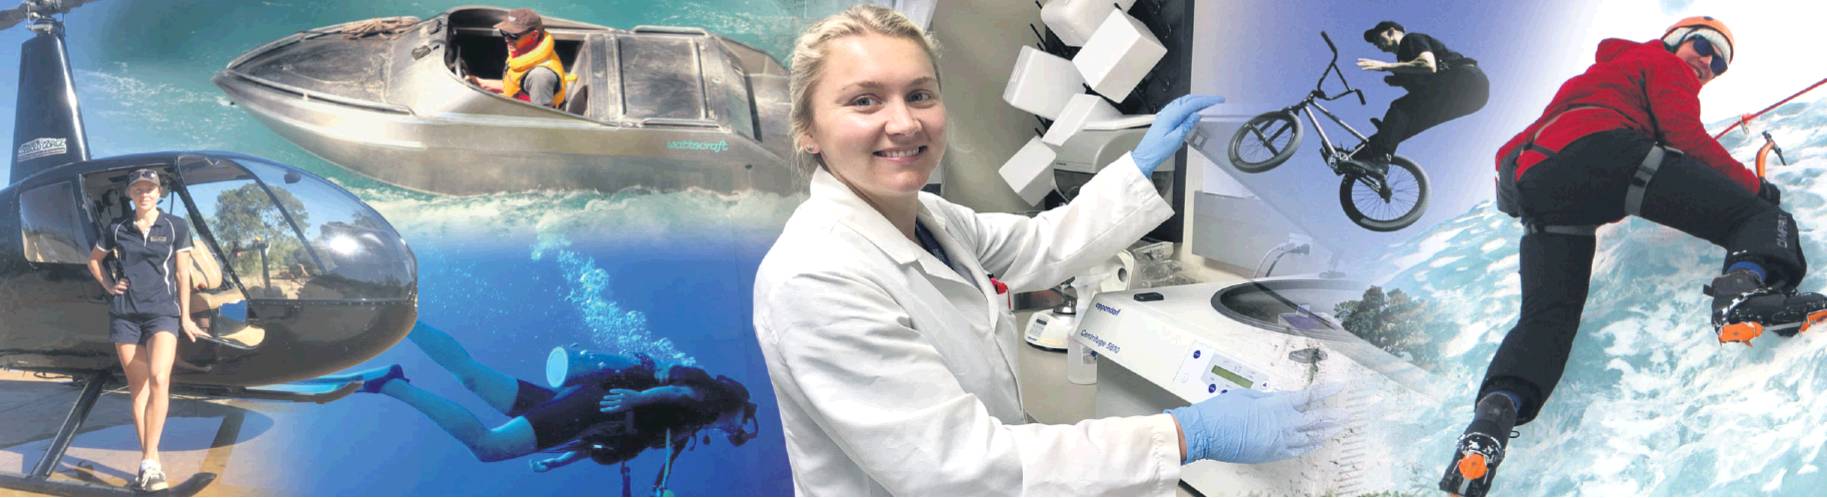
(1232,376)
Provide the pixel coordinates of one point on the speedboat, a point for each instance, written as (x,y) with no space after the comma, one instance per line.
(658,108)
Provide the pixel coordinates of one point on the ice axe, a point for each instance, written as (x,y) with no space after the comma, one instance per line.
(1763,154)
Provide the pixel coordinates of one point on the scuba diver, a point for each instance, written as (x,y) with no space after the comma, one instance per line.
(609,413)
(1442,85)
(533,72)
(1625,138)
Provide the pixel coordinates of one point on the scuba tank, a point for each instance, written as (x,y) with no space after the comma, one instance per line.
(566,366)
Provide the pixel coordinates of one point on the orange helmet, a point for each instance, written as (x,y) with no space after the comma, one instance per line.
(1681,29)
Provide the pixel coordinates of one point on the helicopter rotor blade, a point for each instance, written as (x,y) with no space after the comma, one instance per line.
(41,8)
(12,16)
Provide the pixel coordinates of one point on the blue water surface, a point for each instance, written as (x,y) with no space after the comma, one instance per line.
(508,275)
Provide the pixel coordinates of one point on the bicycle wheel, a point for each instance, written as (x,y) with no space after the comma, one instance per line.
(1265,141)
(1369,208)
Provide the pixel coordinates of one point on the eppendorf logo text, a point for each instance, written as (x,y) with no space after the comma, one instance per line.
(41,147)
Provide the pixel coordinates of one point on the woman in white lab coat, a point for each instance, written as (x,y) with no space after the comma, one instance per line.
(889,347)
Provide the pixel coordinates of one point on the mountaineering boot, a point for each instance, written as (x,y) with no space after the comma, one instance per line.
(1743,308)
(1481,448)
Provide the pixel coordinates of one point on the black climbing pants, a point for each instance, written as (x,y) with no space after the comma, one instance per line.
(1586,184)
(1445,96)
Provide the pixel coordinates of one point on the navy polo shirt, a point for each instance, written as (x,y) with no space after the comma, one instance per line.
(149,263)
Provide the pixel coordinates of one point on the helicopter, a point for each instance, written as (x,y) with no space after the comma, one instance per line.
(299,277)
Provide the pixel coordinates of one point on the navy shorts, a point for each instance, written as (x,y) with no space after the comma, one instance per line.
(137,329)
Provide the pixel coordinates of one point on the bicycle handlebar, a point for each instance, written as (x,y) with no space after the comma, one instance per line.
(1334,68)
(1360,94)
(1329,45)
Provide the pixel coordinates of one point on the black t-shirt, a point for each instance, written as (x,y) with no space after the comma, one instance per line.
(149,262)
(1413,44)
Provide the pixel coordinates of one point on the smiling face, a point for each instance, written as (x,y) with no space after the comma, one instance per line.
(877,119)
(1701,64)
(145,195)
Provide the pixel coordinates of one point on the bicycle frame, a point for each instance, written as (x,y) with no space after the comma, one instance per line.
(1379,195)
(1328,151)
(1331,153)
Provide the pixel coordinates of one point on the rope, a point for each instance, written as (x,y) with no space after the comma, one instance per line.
(384,27)
(1746,119)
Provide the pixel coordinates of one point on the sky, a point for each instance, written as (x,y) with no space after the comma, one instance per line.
(1270,53)
(1270,57)
(1778,45)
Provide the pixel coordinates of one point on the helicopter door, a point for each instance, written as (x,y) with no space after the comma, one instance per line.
(56,237)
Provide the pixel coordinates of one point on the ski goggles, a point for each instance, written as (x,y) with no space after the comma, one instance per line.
(1709,43)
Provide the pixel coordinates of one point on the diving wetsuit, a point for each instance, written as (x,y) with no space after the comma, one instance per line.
(1575,166)
(561,416)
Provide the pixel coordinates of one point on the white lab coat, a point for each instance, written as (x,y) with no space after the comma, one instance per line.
(896,375)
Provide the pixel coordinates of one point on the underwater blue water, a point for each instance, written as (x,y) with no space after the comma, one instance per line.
(509,309)
(509,276)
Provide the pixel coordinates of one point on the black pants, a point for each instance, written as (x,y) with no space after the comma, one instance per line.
(1586,184)
(1446,96)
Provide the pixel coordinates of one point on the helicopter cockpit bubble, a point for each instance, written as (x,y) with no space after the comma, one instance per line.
(291,236)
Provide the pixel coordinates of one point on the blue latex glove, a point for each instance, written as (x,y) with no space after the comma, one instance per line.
(1168,134)
(1247,426)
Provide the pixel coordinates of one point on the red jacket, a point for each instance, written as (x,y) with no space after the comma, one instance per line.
(1638,86)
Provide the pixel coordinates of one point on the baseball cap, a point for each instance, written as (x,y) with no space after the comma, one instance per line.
(520,21)
(144,175)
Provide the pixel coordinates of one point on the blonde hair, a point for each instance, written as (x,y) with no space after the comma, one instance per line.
(808,62)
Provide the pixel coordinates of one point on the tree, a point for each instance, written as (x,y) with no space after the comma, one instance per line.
(1394,322)
(246,217)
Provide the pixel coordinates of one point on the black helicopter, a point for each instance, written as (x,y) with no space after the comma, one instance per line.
(300,277)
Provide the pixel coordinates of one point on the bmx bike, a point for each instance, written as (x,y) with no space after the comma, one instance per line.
(1378,197)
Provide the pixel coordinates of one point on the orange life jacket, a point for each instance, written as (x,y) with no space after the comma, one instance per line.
(541,55)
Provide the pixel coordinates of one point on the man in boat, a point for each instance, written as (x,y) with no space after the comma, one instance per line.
(533,72)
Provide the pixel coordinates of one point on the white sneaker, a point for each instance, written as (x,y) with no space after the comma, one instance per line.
(152,478)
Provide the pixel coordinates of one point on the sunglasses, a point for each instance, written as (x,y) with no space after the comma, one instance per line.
(1705,47)
(513,37)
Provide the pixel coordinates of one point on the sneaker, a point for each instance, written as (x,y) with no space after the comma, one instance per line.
(1370,161)
(1744,308)
(1481,448)
(152,478)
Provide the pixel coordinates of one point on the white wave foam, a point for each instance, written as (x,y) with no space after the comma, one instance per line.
(1650,402)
